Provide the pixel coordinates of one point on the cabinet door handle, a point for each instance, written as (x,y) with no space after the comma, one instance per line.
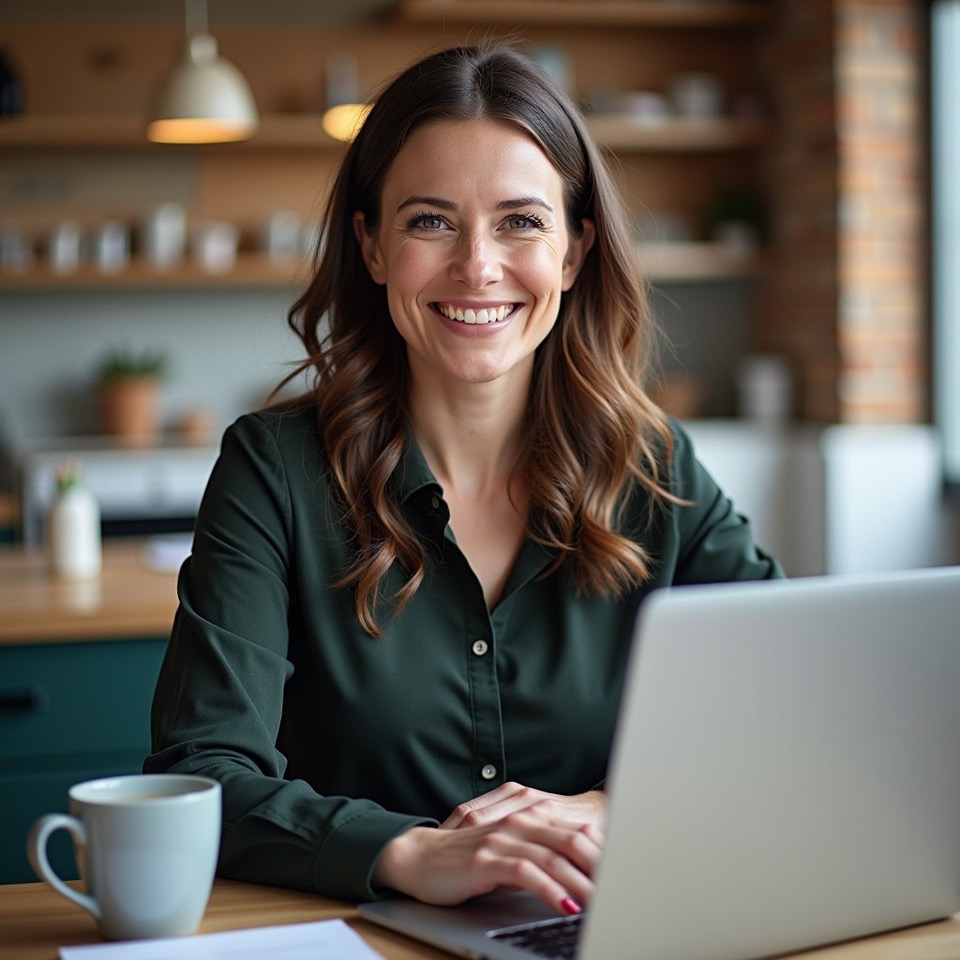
(16,701)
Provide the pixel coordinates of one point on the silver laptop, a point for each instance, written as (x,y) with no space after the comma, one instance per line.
(786,774)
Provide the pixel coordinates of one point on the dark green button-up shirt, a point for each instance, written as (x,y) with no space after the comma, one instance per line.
(328,742)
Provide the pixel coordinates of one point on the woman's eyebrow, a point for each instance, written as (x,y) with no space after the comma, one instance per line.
(420,200)
(440,204)
(524,202)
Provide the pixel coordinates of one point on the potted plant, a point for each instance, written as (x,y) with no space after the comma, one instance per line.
(128,386)
(735,217)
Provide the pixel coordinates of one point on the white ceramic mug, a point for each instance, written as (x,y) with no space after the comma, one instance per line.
(110,246)
(765,388)
(164,236)
(64,247)
(214,244)
(697,95)
(147,850)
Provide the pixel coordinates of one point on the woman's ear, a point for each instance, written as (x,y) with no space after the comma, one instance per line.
(577,252)
(369,249)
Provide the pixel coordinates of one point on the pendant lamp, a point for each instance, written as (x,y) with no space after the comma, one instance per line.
(205,98)
(344,114)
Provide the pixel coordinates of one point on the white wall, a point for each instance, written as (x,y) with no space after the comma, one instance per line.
(227,349)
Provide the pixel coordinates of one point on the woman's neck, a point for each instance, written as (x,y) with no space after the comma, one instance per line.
(471,437)
(470,434)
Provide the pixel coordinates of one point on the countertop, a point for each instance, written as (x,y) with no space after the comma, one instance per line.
(35,922)
(129,598)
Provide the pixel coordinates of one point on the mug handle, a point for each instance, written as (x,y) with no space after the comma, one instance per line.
(37,854)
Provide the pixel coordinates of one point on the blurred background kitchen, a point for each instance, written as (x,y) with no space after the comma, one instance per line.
(774,154)
(778,162)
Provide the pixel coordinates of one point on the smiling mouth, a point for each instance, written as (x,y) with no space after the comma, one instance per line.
(478,316)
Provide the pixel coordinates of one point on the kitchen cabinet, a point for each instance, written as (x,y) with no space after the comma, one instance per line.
(616,45)
(78,664)
(68,712)
(813,494)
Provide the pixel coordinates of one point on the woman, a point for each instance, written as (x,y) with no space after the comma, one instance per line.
(411,592)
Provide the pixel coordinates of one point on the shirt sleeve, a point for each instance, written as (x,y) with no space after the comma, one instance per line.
(709,541)
(219,699)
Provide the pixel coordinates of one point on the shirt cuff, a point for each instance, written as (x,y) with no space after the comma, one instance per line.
(345,863)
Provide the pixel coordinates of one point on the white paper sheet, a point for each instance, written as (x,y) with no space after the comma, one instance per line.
(319,940)
(165,553)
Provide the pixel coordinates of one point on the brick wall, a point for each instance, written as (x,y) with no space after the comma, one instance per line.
(846,297)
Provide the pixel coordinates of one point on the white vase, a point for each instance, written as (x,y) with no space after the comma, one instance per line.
(74,534)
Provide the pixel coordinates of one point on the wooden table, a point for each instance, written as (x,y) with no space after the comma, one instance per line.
(128,599)
(35,922)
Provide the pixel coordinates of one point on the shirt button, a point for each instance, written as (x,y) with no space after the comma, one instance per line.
(435,502)
(480,647)
(488,772)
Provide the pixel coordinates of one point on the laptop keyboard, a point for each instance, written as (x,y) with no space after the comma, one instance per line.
(556,939)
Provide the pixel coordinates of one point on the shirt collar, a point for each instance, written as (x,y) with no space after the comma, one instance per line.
(413,476)
(413,473)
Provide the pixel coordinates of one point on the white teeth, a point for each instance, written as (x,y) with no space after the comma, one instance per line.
(483,315)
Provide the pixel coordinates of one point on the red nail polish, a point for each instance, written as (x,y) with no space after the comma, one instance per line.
(570,906)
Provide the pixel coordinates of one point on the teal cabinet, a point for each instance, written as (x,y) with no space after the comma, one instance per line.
(68,712)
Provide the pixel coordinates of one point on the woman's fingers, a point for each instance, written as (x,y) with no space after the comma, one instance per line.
(505,799)
(538,864)
(553,862)
(508,798)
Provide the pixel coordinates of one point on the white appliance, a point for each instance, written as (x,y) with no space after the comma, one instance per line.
(143,490)
(845,498)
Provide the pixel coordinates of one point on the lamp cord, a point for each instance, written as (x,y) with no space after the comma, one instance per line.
(195,15)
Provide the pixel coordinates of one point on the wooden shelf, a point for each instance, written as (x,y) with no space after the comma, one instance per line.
(251,270)
(296,131)
(277,131)
(657,261)
(637,13)
(679,134)
(693,262)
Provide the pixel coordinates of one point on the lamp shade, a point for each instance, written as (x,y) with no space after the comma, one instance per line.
(205,99)
(343,121)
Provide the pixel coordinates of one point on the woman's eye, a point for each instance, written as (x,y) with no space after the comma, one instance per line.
(524,221)
(426,221)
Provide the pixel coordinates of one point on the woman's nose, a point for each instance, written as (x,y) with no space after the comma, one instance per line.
(475,261)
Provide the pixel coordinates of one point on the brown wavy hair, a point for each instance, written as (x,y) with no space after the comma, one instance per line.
(593,433)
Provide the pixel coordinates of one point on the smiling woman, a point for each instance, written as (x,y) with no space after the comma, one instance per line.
(472,232)
(403,629)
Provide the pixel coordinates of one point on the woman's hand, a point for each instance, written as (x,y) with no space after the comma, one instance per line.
(526,850)
(582,808)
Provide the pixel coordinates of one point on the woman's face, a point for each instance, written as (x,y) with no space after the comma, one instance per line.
(473,248)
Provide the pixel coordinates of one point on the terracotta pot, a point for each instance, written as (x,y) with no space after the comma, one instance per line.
(129,410)
(679,395)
